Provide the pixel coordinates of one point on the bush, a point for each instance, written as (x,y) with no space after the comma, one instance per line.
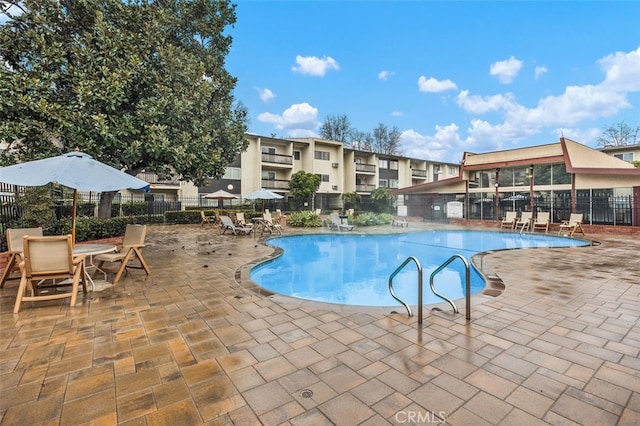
(371,219)
(304,219)
(134,209)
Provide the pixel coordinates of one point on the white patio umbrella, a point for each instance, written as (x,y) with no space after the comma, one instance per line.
(220,195)
(75,170)
(263,194)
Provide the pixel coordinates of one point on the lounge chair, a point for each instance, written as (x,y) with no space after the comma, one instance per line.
(509,220)
(541,223)
(131,248)
(572,225)
(524,222)
(227,223)
(336,223)
(270,224)
(399,221)
(46,261)
(241,221)
(14,245)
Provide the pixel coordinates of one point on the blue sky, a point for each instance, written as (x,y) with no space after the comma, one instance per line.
(452,76)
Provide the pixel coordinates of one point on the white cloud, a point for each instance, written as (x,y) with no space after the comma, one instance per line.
(384,74)
(397,113)
(587,136)
(312,65)
(540,70)
(265,94)
(298,119)
(438,147)
(506,70)
(622,71)
(431,85)
(480,105)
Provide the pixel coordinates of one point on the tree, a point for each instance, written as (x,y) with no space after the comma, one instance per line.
(386,141)
(336,128)
(361,141)
(381,200)
(303,186)
(351,200)
(619,134)
(137,84)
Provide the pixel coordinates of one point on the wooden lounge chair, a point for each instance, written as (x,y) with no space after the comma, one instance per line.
(270,224)
(131,249)
(524,222)
(509,220)
(47,260)
(206,220)
(241,221)
(541,223)
(572,225)
(227,223)
(15,237)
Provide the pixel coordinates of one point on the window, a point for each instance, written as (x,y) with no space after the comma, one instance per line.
(383,183)
(452,171)
(383,164)
(268,175)
(393,164)
(231,173)
(321,155)
(323,178)
(268,150)
(627,156)
(393,183)
(296,155)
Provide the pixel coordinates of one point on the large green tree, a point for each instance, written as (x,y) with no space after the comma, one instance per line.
(303,186)
(137,84)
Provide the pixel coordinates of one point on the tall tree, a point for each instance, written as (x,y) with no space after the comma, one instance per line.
(137,84)
(303,186)
(336,128)
(385,140)
(619,134)
(362,141)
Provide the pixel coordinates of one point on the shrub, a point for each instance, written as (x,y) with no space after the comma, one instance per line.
(304,219)
(371,219)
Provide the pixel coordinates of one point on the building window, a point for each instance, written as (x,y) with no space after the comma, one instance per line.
(268,150)
(393,164)
(393,183)
(231,173)
(321,155)
(627,156)
(383,164)
(296,155)
(268,175)
(323,178)
(383,183)
(452,171)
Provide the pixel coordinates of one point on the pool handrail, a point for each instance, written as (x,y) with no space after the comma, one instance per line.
(467,284)
(393,294)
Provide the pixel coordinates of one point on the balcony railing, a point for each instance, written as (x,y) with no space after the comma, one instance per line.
(276,184)
(367,168)
(418,173)
(286,160)
(154,179)
(365,188)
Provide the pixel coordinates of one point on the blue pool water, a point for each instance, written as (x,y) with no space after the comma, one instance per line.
(354,269)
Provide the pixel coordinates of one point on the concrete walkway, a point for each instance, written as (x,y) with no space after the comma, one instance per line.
(189,345)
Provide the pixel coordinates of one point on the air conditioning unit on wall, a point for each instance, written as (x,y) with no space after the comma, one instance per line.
(334,165)
(334,187)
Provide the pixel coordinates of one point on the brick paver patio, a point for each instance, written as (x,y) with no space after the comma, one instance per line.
(189,345)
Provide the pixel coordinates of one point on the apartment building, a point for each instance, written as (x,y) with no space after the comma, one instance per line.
(270,162)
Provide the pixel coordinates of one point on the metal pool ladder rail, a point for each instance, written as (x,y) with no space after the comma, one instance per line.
(433,289)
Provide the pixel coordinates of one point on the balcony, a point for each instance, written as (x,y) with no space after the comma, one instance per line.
(280,184)
(154,179)
(365,187)
(365,168)
(278,159)
(419,174)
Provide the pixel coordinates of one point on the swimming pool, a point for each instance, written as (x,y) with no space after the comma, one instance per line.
(353,269)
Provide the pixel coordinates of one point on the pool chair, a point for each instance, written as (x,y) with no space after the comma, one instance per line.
(270,224)
(47,260)
(205,220)
(337,223)
(509,220)
(14,246)
(131,249)
(541,223)
(524,222)
(241,221)
(572,225)
(227,223)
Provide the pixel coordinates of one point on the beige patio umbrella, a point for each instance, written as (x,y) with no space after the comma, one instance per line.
(220,195)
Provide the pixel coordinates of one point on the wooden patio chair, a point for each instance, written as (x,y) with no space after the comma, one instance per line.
(14,246)
(47,260)
(572,225)
(131,249)
(509,220)
(205,220)
(524,222)
(541,222)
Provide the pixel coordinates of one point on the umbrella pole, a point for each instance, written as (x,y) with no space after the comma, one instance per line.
(74,211)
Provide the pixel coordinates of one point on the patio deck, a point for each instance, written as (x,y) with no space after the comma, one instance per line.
(189,345)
